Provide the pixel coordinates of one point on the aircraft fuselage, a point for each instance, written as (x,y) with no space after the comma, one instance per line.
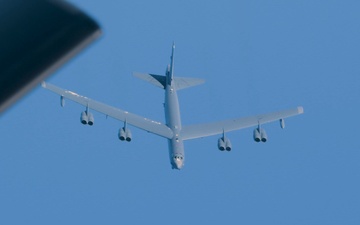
(172,114)
(173,120)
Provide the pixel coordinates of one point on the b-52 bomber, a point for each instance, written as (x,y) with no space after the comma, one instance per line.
(172,129)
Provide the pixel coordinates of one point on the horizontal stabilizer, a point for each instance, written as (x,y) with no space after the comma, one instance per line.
(157,80)
(160,81)
(185,82)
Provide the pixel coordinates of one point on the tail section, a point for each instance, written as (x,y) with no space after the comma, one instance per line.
(185,82)
(178,82)
(169,79)
(157,80)
(170,74)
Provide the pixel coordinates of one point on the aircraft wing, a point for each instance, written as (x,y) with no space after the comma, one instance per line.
(204,130)
(132,119)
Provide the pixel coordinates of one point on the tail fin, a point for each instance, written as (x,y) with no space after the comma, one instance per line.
(160,81)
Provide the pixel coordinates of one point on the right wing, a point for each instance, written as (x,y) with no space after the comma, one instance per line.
(204,130)
(132,119)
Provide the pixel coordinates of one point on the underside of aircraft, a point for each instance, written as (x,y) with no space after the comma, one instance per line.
(172,129)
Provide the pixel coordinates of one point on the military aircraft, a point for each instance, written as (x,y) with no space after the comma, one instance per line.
(173,130)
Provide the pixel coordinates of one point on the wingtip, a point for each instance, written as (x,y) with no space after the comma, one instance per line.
(43,84)
(300,109)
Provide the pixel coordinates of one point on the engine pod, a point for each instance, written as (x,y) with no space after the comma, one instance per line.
(263,135)
(122,134)
(228,145)
(84,118)
(90,119)
(257,136)
(221,144)
(128,135)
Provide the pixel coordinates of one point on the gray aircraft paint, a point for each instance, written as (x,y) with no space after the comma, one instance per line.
(173,129)
(173,120)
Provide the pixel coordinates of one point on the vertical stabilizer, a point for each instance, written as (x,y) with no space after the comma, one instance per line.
(169,79)
(170,74)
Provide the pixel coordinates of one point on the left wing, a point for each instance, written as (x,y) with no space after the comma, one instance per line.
(130,118)
(204,130)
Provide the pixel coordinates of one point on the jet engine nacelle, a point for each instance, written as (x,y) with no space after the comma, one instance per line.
(263,136)
(87,118)
(122,135)
(90,119)
(125,135)
(257,136)
(260,135)
(228,144)
(128,135)
(84,118)
(224,144)
(221,144)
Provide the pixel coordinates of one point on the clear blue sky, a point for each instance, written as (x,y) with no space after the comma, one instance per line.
(257,57)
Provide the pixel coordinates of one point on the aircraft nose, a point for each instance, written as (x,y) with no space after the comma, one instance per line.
(177,161)
(179,164)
